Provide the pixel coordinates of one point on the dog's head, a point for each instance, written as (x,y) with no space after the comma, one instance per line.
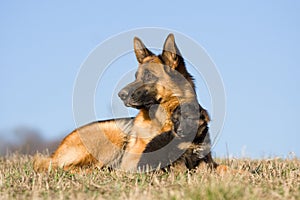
(158,78)
(188,117)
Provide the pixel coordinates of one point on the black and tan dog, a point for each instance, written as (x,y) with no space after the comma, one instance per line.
(162,83)
(185,146)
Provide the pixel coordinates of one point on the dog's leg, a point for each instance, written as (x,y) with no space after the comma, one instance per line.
(70,153)
(100,143)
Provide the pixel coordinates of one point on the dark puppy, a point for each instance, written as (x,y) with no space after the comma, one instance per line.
(186,145)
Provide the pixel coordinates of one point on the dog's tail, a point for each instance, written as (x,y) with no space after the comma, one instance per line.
(42,163)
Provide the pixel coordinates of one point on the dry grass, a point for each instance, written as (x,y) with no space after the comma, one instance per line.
(260,179)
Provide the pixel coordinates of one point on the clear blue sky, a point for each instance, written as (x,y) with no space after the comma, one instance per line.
(255,45)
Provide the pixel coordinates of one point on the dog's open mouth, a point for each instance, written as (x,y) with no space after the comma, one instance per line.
(134,104)
(141,104)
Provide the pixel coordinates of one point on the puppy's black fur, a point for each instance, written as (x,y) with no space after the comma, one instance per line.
(187,144)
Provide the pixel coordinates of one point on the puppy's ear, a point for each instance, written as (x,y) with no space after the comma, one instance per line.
(140,50)
(171,54)
(204,115)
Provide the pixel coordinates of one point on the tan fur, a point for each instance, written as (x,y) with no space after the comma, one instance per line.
(83,147)
(71,152)
(146,129)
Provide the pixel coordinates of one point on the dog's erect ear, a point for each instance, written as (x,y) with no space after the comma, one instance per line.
(170,53)
(140,50)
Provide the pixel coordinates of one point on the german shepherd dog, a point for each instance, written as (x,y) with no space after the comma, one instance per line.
(162,83)
(185,146)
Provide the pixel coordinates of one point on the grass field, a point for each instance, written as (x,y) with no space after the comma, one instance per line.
(259,179)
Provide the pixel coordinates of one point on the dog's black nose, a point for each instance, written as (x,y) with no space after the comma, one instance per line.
(123,94)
